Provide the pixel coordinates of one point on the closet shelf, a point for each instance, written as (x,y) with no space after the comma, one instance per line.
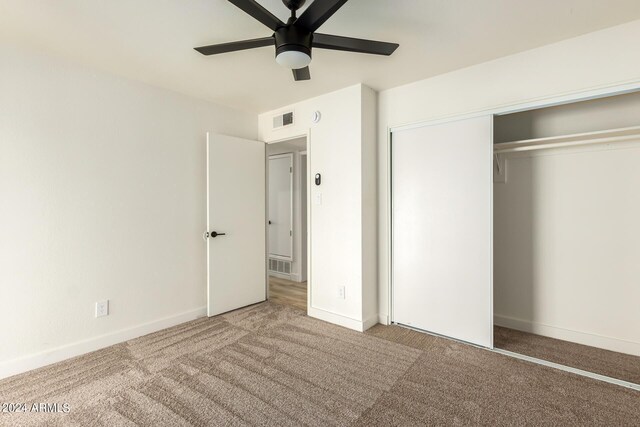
(599,137)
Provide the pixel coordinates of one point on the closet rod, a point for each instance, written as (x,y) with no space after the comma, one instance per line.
(590,138)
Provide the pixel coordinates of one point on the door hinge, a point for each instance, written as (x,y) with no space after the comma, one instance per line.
(290,232)
(290,169)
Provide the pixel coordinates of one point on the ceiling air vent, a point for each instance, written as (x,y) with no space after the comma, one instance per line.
(283,120)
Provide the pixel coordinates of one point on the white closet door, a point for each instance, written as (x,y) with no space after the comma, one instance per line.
(442,229)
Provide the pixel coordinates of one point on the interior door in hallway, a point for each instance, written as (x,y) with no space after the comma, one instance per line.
(236,223)
(281,206)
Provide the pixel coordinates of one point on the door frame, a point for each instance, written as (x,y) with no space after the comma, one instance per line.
(307,151)
(281,156)
(525,105)
(306,199)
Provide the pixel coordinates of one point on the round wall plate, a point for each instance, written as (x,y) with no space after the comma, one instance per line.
(316,116)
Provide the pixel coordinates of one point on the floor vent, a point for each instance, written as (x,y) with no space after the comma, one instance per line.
(279,266)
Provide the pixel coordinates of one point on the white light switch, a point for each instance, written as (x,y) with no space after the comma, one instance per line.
(317,199)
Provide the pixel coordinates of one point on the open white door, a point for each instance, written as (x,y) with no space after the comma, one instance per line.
(236,259)
(442,184)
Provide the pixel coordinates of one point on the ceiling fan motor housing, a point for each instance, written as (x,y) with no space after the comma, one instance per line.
(293,38)
(293,4)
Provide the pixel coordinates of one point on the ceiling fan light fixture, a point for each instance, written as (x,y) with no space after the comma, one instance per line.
(295,39)
(293,59)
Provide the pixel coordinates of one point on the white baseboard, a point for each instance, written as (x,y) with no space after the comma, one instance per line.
(295,277)
(280,275)
(383,319)
(370,322)
(338,319)
(58,354)
(599,341)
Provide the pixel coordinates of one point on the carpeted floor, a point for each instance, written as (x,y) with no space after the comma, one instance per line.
(616,365)
(271,365)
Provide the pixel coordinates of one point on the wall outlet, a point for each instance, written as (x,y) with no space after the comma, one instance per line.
(102,308)
(341,292)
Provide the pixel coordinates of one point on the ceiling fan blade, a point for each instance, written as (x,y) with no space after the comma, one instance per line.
(258,12)
(234,46)
(327,41)
(318,12)
(302,74)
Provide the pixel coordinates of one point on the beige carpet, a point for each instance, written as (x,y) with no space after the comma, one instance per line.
(616,365)
(458,384)
(271,365)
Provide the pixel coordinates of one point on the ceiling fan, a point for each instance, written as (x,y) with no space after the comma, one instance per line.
(295,39)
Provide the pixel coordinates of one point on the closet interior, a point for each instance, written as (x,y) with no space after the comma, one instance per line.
(566,235)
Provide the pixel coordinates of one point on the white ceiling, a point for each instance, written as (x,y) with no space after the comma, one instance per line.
(152,40)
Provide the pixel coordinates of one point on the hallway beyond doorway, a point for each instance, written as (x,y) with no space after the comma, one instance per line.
(286,292)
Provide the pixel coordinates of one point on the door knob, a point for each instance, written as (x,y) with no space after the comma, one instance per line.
(216,234)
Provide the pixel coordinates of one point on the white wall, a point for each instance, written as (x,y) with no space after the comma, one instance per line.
(102,192)
(338,149)
(567,245)
(369,158)
(592,62)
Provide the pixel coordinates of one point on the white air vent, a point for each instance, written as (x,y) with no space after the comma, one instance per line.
(279,266)
(283,120)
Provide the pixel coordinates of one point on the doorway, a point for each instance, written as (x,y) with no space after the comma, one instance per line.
(566,235)
(287,222)
(564,240)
